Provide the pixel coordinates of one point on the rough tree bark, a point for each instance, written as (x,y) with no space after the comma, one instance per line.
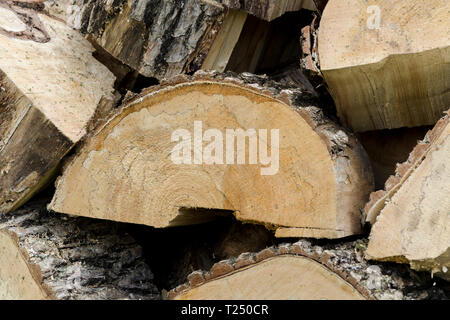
(161,39)
(124,171)
(304,271)
(412,216)
(51,88)
(386,62)
(49,256)
(269,9)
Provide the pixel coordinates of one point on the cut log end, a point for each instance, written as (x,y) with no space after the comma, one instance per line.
(380,198)
(411,217)
(381,70)
(317,177)
(285,277)
(302,271)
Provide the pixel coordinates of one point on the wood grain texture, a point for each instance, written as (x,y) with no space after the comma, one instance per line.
(304,271)
(388,76)
(124,170)
(45,107)
(413,225)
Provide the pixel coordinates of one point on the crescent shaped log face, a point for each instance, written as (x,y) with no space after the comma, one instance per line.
(285,278)
(125,170)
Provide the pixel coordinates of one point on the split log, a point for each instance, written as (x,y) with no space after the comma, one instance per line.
(381,69)
(131,169)
(51,88)
(162,39)
(302,271)
(412,217)
(49,256)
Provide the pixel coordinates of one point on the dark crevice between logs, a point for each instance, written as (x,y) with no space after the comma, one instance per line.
(127,79)
(275,49)
(387,148)
(174,253)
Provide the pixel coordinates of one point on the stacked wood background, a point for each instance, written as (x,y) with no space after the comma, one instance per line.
(92,205)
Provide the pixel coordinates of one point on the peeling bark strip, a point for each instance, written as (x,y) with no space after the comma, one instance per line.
(304,271)
(323,180)
(412,217)
(164,38)
(380,68)
(45,106)
(48,256)
(27,12)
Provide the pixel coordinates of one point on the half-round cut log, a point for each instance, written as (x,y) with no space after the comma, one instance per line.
(285,278)
(302,271)
(412,216)
(386,62)
(241,144)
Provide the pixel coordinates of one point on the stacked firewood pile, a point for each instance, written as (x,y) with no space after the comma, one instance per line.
(221,149)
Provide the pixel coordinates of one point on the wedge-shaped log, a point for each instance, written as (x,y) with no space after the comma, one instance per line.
(161,39)
(51,88)
(312,181)
(386,62)
(412,217)
(48,256)
(301,271)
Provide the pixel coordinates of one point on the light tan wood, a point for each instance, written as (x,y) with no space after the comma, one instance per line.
(395,74)
(278,278)
(124,171)
(303,270)
(222,47)
(414,224)
(380,198)
(17,282)
(51,89)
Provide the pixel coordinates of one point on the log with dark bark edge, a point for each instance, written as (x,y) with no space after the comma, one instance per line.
(302,271)
(386,75)
(412,216)
(161,39)
(51,89)
(380,198)
(50,256)
(124,170)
